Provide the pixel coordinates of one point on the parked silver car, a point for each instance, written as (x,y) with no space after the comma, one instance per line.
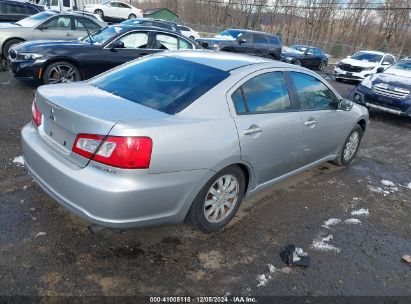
(48,25)
(184,135)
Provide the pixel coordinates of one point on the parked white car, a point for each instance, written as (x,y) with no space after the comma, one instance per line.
(114,10)
(362,64)
(188,32)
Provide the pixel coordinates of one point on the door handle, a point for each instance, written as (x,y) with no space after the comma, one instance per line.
(311,122)
(142,54)
(69,35)
(253,129)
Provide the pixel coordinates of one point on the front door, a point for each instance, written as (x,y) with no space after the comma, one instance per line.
(58,27)
(270,132)
(324,128)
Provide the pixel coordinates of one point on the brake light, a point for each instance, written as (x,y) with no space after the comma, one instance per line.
(35,114)
(122,152)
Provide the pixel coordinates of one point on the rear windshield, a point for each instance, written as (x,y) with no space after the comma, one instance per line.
(163,83)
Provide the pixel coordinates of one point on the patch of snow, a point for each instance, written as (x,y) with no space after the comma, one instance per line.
(409,185)
(361,211)
(19,160)
(331,222)
(322,246)
(262,280)
(300,252)
(40,234)
(328,238)
(378,189)
(271,268)
(387,183)
(352,221)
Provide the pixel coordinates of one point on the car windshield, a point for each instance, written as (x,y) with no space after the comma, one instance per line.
(103,35)
(35,19)
(299,48)
(292,50)
(162,83)
(403,68)
(233,34)
(369,57)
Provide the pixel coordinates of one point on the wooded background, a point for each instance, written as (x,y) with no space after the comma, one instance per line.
(340,27)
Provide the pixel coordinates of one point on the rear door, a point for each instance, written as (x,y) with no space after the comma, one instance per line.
(269,130)
(260,45)
(324,127)
(58,27)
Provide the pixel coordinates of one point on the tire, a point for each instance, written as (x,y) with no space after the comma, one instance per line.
(132,16)
(297,62)
(192,38)
(322,66)
(343,159)
(99,12)
(232,175)
(8,45)
(61,72)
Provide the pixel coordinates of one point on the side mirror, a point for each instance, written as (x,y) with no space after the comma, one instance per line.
(344,104)
(117,45)
(42,27)
(380,70)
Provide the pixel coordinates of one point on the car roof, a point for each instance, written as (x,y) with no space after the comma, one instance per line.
(251,32)
(222,60)
(21,3)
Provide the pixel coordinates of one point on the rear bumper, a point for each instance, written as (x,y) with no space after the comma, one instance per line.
(125,199)
(368,98)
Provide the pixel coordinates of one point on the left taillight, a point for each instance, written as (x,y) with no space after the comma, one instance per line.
(131,152)
(35,114)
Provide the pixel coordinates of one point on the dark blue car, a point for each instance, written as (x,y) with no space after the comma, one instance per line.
(388,90)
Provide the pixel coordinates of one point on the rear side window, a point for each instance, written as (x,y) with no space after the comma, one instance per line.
(166,42)
(183,28)
(274,40)
(312,93)
(162,83)
(182,44)
(82,24)
(260,39)
(261,94)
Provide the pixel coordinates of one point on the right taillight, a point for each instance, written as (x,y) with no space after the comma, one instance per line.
(35,114)
(131,152)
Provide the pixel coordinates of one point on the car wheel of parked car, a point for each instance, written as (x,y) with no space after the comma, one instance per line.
(350,147)
(132,16)
(99,12)
(61,72)
(192,38)
(297,62)
(322,66)
(9,45)
(218,201)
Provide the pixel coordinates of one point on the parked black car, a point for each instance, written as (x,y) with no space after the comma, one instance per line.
(306,56)
(167,25)
(246,42)
(67,61)
(13,11)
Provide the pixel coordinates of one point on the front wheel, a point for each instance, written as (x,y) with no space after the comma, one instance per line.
(61,72)
(99,12)
(217,202)
(350,148)
(297,62)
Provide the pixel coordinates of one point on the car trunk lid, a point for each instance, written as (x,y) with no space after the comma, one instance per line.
(71,109)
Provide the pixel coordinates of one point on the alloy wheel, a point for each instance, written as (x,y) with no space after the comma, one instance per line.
(351,146)
(321,66)
(62,74)
(221,198)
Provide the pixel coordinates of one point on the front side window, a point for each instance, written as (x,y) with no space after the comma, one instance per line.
(135,40)
(263,93)
(59,23)
(162,83)
(184,29)
(389,59)
(166,42)
(312,93)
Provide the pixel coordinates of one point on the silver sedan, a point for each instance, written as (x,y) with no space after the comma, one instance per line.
(184,135)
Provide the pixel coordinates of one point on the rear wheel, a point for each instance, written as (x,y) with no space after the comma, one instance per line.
(99,12)
(218,201)
(61,72)
(192,37)
(132,16)
(322,66)
(350,148)
(297,62)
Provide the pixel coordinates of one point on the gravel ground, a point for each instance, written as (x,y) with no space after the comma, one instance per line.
(359,259)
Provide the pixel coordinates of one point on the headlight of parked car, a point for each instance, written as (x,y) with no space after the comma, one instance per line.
(339,64)
(28,56)
(368,69)
(367,82)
